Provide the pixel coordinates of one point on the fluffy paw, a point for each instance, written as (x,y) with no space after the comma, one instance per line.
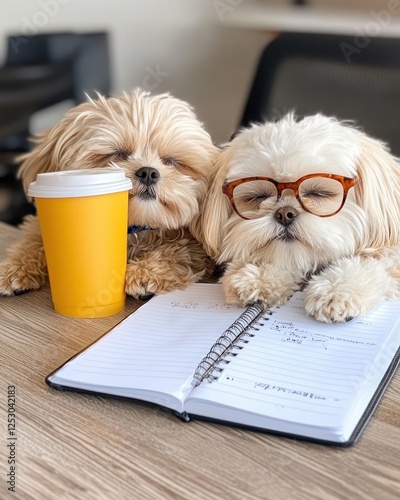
(248,283)
(15,279)
(334,296)
(332,305)
(347,289)
(144,278)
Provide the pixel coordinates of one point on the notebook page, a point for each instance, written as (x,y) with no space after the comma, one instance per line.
(299,370)
(157,348)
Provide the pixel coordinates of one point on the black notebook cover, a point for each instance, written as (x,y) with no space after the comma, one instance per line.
(186,417)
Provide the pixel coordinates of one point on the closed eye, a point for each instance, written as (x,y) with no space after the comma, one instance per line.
(253,194)
(318,194)
(170,160)
(251,201)
(122,154)
(258,193)
(258,197)
(117,155)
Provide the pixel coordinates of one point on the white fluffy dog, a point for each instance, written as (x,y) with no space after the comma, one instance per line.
(164,149)
(336,235)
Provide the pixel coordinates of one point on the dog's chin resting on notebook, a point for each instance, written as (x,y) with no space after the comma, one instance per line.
(347,262)
(165,151)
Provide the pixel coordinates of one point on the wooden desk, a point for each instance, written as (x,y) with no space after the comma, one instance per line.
(77,446)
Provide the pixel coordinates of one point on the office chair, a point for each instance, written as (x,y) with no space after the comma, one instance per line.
(40,71)
(311,73)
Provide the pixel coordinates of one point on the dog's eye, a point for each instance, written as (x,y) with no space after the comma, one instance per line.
(250,197)
(257,192)
(254,192)
(318,194)
(169,160)
(122,154)
(258,197)
(320,189)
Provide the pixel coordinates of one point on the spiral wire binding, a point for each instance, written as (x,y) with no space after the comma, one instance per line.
(228,341)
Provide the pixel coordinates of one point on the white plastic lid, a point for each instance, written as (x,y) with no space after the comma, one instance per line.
(76,183)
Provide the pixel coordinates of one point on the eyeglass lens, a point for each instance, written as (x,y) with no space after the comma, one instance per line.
(320,195)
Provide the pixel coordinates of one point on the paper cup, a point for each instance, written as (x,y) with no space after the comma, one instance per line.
(83,216)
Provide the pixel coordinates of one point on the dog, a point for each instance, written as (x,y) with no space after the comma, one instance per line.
(309,204)
(163,148)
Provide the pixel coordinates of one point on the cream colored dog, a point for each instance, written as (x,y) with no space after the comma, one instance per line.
(312,203)
(162,147)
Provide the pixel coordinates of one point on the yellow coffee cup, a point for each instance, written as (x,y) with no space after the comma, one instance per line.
(83,216)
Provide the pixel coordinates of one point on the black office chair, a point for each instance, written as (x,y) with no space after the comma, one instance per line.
(40,71)
(311,73)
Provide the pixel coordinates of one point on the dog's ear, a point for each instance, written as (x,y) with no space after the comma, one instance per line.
(53,145)
(216,210)
(39,159)
(212,154)
(195,225)
(378,192)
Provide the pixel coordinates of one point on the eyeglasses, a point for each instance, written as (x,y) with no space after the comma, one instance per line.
(320,194)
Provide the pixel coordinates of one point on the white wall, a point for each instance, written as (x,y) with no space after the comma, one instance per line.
(200,59)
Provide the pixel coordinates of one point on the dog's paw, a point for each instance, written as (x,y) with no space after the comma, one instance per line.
(330,298)
(15,280)
(332,305)
(248,283)
(144,279)
(347,289)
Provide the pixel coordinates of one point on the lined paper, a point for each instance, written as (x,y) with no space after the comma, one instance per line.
(158,347)
(288,373)
(297,369)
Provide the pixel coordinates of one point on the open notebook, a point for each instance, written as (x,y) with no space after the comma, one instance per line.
(278,371)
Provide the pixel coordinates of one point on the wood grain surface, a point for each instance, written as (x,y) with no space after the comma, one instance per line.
(84,447)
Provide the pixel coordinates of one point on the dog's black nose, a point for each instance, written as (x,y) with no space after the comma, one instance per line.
(148,175)
(286,215)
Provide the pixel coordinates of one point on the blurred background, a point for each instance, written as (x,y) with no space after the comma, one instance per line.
(234,61)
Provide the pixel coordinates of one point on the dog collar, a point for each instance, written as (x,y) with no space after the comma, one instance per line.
(138,229)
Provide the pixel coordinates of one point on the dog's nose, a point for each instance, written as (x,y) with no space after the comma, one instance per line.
(286,215)
(148,175)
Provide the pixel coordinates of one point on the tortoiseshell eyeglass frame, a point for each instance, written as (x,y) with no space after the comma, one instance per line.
(346,182)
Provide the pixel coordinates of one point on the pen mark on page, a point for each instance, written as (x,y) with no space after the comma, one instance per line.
(224,307)
(271,388)
(301,336)
(210,306)
(184,305)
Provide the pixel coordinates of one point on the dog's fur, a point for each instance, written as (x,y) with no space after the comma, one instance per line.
(347,262)
(131,131)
